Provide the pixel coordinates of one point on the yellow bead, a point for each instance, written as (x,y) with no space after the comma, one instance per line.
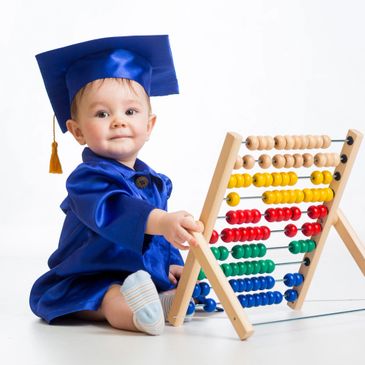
(293,178)
(292,196)
(316,195)
(248,180)
(268,179)
(278,196)
(300,196)
(330,194)
(268,197)
(307,195)
(233,199)
(285,179)
(327,177)
(317,177)
(258,180)
(240,181)
(323,195)
(285,196)
(232,182)
(276,178)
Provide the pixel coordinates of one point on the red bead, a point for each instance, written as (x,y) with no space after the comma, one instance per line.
(248,216)
(256,215)
(313,212)
(287,213)
(259,233)
(214,237)
(270,215)
(236,234)
(307,229)
(279,215)
(317,228)
(265,232)
(290,230)
(231,217)
(251,233)
(227,235)
(323,211)
(244,234)
(296,213)
(241,215)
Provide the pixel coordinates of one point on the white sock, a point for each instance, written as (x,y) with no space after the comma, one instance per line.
(141,296)
(166,299)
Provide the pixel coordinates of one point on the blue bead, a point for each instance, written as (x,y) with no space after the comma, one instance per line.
(271,297)
(205,289)
(278,297)
(255,283)
(248,284)
(257,298)
(270,282)
(197,291)
(264,299)
(291,295)
(298,278)
(250,300)
(289,280)
(200,299)
(191,308)
(243,300)
(241,285)
(262,280)
(234,285)
(210,305)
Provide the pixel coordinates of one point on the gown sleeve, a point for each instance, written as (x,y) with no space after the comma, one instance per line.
(108,206)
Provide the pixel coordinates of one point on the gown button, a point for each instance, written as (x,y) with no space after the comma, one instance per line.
(141,182)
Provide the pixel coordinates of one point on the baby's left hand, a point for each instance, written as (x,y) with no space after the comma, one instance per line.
(175,273)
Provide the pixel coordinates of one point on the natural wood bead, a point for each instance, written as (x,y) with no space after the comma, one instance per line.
(308,159)
(319,142)
(265,161)
(289,142)
(239,163)
(297,143)
(262,143)
(252,142)
(280,142)
(248,162)
(320,159)
(311,142)
(330,159)
(326,141)
(337,159)
(289,161)
(278,161)
(305,142)
(270,143)
(299,160)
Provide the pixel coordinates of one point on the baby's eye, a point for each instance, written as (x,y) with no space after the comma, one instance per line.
(131,111)
(102,114)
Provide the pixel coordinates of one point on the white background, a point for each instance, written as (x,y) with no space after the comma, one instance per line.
(254,67)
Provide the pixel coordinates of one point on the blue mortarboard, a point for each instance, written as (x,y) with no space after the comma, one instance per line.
(144,59)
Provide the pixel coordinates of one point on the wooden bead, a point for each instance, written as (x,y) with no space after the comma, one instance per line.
(308,159)
(297,143)
(265,161)
(238,164)
(252,142)
(311,142)
(320,159)
(299,160)
(278,161)
(289,161)
(280,142)
(305,142)
(319,142)
(337,159)
(326,141)
(248,162)
(289,142)
(262,143)
(270,143)
(330,159)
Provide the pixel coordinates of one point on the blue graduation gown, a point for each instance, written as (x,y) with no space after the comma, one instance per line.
(103,239)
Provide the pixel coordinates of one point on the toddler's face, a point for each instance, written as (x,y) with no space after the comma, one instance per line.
(113,120)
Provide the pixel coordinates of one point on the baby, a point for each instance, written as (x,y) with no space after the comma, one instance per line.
(118,247)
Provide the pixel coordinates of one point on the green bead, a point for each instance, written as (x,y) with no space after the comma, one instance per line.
(216,252)
(262,249)
(226,269)
(255,250)
(249,268)
(235,268)
(242,267)
(311,245)
(224,253)
(256,267)
(248,251)
(294,247)
(237,251)
(201,275)
(263,266)
(304,246)
(270,266)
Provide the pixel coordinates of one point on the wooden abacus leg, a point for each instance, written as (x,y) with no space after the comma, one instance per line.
(351,240)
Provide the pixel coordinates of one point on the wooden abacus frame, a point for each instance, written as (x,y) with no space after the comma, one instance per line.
(201,255)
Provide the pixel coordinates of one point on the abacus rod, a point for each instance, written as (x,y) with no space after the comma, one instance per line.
(289,263)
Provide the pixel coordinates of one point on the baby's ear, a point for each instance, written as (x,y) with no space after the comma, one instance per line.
(151,123)
(74,128)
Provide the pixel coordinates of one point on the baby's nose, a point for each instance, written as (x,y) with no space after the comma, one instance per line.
(118,122)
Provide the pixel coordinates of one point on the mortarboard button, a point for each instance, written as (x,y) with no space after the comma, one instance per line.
(141,182)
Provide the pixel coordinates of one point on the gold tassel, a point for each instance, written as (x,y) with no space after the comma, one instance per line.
(54,164)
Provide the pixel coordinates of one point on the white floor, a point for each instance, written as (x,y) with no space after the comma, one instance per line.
(336,339)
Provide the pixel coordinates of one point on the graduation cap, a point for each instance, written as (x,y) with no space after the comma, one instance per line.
(144,59)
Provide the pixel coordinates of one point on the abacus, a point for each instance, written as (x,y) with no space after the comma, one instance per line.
(322,212)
